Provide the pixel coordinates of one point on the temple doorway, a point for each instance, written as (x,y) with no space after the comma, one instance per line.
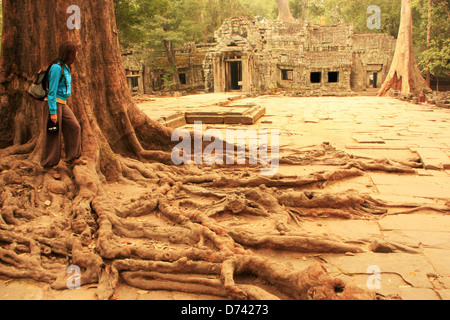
(234,75)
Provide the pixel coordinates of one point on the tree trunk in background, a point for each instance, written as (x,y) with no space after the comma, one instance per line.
(170,53)
(284,12)
(428,78)
(404,74)
(304,14)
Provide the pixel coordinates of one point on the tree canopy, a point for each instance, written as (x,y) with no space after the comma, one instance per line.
(432,36)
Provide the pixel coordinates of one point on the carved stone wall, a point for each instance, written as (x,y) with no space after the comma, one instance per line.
(278,55)
(372,54)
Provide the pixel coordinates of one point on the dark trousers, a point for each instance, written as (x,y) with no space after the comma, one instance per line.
(69,129)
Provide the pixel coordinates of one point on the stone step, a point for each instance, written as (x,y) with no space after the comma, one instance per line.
(243,114)
(174,120)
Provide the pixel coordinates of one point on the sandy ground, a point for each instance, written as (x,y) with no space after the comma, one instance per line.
(366,126)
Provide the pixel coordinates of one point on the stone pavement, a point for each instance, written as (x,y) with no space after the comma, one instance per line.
(418,266)
(413,256)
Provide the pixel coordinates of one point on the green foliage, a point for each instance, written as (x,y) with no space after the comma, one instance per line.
(261,9)
(437,58)
(311,11)
(178,23)
(435,55)
(355,12)
(128,19)
(167,78)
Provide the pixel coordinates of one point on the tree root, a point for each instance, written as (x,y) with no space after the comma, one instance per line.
(280,181)
(360,204)
(90,265)
(175,282)
(326,154)
(24,265)
(177,233)
(291,242)
(18,149)
(313,283)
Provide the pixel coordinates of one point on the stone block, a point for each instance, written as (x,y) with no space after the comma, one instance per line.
(238,114)
(367,139)
(433,158)
(414,186)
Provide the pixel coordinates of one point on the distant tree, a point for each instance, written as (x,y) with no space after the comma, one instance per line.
(284,12)
(404,74)
(129,18)
(431,39)
(178,22)
(436,60)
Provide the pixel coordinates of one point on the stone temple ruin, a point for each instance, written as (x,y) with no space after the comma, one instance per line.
(254,56)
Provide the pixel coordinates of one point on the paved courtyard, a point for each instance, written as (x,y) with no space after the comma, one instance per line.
(373,128)
(418,264)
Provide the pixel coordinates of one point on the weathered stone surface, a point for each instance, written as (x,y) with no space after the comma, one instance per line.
(174,121)
(416,222)
(295,57)
(367,139)
(433,158)
(416,186)
(413,269)
(444,294)
(440,259)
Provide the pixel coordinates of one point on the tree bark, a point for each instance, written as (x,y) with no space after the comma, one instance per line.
(428,78)
(304,13)
(404,74)
(284,12)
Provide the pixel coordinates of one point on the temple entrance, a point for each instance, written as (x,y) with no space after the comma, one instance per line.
(233,75)
(373,80)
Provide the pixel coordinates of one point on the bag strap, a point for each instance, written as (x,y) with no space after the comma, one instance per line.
(62,73)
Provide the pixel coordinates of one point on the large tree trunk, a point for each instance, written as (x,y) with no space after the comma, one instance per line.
(91,218)
(404,74)
(284,12)
(100,100)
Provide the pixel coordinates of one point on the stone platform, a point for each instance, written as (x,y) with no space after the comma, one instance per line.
(209,109)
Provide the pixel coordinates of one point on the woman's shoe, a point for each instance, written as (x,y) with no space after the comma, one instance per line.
(54,174)
(76,162)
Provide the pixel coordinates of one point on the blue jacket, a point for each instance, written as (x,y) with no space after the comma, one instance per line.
(57,89)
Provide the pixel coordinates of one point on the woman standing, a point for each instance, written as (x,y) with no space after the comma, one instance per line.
(59,120)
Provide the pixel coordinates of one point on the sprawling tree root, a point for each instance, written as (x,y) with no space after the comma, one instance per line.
(21,258)
(326,154)
(180,230)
